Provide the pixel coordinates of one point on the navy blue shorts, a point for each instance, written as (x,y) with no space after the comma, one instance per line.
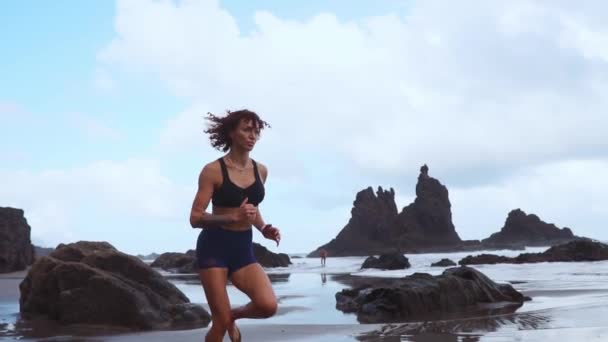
(219,247)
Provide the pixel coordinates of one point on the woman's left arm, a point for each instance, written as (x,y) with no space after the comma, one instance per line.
(269,232)
(259,221)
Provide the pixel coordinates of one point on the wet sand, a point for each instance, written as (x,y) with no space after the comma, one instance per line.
(570,303)
(251,332)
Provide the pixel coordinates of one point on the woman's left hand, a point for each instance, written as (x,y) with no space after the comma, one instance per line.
(272,233)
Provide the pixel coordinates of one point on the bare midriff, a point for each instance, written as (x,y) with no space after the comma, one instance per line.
(237,226)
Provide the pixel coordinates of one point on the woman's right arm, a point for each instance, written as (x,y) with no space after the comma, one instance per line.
(199,217)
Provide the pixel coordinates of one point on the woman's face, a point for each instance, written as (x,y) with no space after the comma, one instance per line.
(245,135)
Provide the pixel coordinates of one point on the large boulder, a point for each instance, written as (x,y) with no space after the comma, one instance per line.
(393,261)
(443,263)
(484,259)
(419,295)
(521,229)
(377,227)
(177,262)
(16,249)
(578,250)
(186,262)
(93,283)
(267,258)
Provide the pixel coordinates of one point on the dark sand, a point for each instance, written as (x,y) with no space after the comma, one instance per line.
(573,313)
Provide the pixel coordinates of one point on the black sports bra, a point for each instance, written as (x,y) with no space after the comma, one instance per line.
(231,195)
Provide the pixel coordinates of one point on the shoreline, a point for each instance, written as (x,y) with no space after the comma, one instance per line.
(569,301)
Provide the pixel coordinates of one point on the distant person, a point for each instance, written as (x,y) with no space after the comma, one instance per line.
(234,184)
(323,254)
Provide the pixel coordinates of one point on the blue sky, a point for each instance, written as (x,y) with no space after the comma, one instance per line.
(101,106)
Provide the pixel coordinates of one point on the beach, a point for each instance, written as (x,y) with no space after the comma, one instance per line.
(569,301)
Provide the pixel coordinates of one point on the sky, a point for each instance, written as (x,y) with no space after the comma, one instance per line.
(102,109)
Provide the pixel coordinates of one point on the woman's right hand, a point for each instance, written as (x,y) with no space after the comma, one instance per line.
(247,212)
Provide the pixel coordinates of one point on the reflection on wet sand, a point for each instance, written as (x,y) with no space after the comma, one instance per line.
(462,329)
(42,328)
(279,277)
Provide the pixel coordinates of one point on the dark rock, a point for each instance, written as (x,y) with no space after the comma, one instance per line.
(528,230)
(177,262)
(186,263)
(367,232)
(578,250)
(484,259)
(16,249)
(392,261)
(267,258)
(444,263)
(376,226)
(93,283)
(421,295)
(428,221)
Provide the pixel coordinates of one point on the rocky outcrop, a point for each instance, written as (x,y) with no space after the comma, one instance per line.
(93,283)
(16,249)
(487,259)
(267,258)
(393,261)
(523,229)
(443,263)
(427,222)
(186,263)
(376,226)
(177,262)
(367,232)
(578,250)
(420,295)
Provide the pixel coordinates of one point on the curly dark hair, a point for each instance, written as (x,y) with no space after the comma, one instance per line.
(220,127)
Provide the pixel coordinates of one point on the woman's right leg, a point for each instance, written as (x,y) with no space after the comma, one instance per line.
(214,283)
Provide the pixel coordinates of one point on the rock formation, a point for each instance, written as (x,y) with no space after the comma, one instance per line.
(578,250)
(393,261)
(186,262)
(16,249)
(177,262)
(427,222)
(443,263)
(420,295)
(92,283)
(528,230)
(267,258)
(376,226)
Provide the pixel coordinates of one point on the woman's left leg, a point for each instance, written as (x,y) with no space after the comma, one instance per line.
(253,281)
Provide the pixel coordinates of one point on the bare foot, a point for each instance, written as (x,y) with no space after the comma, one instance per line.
(234,333)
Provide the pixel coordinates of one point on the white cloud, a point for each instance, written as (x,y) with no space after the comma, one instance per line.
(567,193)
(469,84)
(515,89)
(121,202)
